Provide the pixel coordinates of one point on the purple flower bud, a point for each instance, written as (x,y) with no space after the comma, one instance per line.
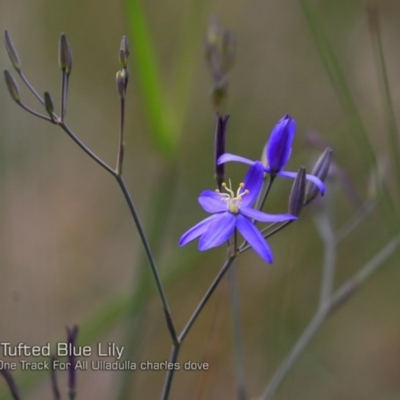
(279,144)
(220,139)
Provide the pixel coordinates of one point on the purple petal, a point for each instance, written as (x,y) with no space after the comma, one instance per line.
(231,157)
(218,232)
(197,230)
(254,237)
(264,217)
(253,182)
(312,178)
(211,201)
(280,143)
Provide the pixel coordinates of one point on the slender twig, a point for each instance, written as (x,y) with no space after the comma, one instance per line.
(323,224)
(237,333)
(176,346)
(149,254)
(359,216)
(33,112)
(267,232)
(53,377)
(30,87)
(204,300)
(93,156)
(10,383)
(171,369)
(339,297)
(120,156)
(64,88)
(261,200)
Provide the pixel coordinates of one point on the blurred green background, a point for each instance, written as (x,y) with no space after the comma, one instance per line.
(69,252)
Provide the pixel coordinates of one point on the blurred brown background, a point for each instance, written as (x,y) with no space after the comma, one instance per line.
(68,245)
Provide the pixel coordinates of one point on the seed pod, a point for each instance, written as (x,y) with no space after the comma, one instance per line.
(12,86)
(64,54)
(124,51)
(48,104)
(12,53)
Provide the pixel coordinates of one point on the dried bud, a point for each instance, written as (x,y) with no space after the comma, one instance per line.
(213,33)
(48,104)
(228,50)
(219,148)
(124,52)
(64,54)
(320,170)
(12,53)
(12,86)
(297,194)
(121,80)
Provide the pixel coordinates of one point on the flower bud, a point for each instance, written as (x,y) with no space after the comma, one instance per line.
(320,170)
(228,50)
(12,86)
(64,54)
(69,61)
(219,147)
(12,53)
(124,51)
(279,144)
(297,194)
(48,104)
(121,80)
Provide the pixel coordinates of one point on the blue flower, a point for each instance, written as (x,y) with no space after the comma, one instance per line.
(232,211)
(278,150)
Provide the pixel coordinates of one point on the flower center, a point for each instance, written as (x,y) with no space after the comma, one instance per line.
(232,200)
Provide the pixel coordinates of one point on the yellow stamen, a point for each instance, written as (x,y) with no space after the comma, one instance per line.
(233,201)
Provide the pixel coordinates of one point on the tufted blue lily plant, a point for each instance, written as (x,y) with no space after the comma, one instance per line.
(278,150)
(233,211)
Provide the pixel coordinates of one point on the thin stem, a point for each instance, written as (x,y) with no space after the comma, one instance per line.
(54,383)
(261,201)
(339,297)
(359,216)
(204,300)
(120,156)
(12,387)
(93,156)
(237,333)
(30,87)
(149,254)
(324,227)
(287,364)
(170,374)
(179,340)
(245,246)
(64,88)
(36,114)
